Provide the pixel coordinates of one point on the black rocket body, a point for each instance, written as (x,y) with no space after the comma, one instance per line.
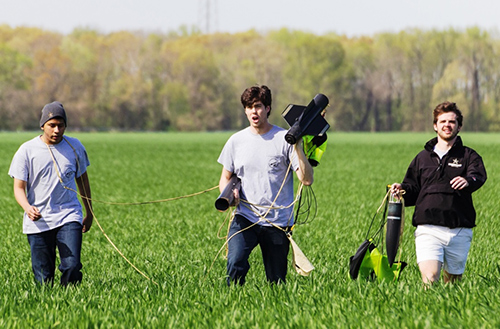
(226,198)
(393,229)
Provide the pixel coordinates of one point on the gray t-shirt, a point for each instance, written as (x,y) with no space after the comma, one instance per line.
(33,164)
(261,163)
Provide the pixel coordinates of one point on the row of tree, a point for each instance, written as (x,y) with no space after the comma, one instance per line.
(189,81)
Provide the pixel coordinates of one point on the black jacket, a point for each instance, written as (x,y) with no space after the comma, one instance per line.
(427,185)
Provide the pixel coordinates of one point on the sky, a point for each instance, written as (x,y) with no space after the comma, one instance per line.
(350,17)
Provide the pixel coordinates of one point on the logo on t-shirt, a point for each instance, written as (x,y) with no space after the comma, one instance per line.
(274,163)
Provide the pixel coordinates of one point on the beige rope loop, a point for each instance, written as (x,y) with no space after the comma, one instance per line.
(115,203)
(153,201)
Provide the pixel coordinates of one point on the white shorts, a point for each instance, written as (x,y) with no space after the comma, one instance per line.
(450,246)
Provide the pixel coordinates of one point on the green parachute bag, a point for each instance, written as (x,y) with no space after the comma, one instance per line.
(370,264)
(314,148)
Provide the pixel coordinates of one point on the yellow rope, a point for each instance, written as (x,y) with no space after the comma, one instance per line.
(153,201)
(262,217)
(114,203)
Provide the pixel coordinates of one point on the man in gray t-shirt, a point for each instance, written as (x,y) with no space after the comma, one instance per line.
(261,158)
(46,171)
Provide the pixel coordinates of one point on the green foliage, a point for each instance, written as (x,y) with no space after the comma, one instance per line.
(188,81)
(175,243)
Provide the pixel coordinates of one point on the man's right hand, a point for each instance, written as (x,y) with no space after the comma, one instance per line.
(33,213)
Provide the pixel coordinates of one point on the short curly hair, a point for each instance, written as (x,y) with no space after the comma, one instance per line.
(448,107)
(255,94)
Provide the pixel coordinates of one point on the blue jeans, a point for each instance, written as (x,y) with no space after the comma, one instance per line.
(274,245)
(68,239)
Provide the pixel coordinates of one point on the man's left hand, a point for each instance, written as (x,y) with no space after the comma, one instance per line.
(87,223)
(459,183)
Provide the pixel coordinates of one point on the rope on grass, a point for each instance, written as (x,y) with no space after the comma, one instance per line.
(89,200)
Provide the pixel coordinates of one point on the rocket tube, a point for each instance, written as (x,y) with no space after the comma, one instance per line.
(393,230)
(226,198)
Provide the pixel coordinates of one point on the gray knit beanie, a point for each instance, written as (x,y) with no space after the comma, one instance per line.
(51,111)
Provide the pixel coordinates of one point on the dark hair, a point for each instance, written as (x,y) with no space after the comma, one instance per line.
(255,94)
(448,107)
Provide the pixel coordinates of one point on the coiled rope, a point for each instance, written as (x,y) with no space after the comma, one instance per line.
(251,206)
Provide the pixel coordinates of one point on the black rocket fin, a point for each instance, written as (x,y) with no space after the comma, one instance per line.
(292,113)
(317,127)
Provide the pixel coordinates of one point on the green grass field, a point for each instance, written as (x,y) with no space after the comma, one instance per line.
(175,244)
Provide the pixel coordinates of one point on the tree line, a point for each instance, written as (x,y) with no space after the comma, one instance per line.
(188,81)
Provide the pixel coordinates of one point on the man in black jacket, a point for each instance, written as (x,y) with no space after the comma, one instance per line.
(439,183)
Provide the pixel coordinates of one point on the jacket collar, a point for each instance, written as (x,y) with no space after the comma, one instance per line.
(429,146)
